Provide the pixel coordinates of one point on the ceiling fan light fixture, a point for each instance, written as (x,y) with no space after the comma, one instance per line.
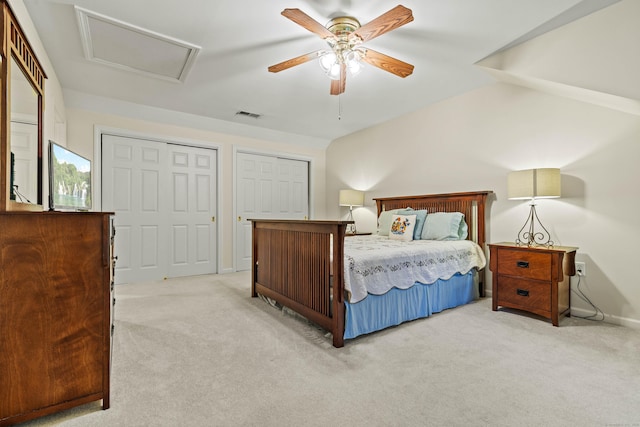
(352,59)
(334,72)
(330,62)
(327,60)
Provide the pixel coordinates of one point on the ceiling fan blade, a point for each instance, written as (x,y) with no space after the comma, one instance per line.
(338,86)
(396,17)
(294,61)
(387,63)
(304,20)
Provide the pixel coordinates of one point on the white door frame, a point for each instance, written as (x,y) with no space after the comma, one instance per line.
(284,155)
(96,175)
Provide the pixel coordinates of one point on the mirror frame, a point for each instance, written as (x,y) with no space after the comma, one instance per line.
(16,47)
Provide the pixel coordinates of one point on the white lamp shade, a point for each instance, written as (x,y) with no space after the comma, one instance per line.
(533,183)
(351,198)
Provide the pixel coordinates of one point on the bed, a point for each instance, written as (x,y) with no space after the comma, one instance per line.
(301,265)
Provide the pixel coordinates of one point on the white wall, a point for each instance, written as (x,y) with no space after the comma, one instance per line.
(472,141)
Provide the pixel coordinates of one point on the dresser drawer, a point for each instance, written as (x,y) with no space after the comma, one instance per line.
(526,293)
(526,264)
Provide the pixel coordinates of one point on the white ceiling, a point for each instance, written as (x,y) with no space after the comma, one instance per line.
(240,39)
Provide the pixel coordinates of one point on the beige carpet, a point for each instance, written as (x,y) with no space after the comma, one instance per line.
(200,352)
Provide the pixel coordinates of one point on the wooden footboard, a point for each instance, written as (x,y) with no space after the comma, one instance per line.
(293,264)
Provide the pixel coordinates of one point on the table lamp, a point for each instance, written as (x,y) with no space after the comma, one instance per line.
(533,184)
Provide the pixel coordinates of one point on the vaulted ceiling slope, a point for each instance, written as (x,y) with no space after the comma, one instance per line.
(226,46)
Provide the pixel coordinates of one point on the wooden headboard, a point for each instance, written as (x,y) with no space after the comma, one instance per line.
(471,204)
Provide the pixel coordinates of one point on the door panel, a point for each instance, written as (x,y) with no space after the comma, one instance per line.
(150,238)
(254,199)
(267,187)
(132,176)
(193,209)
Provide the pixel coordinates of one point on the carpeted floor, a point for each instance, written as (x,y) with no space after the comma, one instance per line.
(200,352)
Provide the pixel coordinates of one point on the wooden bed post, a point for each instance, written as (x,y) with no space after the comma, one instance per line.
(254,260)
(338,287)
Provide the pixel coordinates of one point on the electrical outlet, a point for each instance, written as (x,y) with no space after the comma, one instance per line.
(581,268)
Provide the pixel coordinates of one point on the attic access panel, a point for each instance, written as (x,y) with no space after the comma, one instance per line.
(112,42)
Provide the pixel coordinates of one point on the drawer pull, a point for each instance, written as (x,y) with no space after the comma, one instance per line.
(522,264)
(522,292)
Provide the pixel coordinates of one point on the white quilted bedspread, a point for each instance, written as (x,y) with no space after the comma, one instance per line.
(375,264)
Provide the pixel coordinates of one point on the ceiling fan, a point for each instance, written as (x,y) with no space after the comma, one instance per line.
(345,37)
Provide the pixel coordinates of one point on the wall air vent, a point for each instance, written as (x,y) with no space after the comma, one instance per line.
(108,41)
(248,114)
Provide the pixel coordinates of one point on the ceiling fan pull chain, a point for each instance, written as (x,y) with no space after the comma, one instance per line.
(339,107)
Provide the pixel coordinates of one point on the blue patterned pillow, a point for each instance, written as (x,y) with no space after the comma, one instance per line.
(402,227)
(445,226)
(421,215)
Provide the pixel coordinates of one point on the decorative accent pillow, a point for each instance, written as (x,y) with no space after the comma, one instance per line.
(402,227)
(384,221)
(445,226)
(421,215)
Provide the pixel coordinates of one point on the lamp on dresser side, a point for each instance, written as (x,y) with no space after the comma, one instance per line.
(351,198)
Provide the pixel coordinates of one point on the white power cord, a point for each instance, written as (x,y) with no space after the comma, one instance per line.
(599,314)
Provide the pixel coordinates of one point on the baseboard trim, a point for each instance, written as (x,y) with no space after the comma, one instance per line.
(582,312)
(608,318)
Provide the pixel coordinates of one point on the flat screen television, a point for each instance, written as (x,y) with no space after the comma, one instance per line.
(69,180)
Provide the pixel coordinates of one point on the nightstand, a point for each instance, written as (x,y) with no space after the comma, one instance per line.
(533,279)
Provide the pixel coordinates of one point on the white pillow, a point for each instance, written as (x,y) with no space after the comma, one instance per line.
(384,221)
(402,227)
(445,226)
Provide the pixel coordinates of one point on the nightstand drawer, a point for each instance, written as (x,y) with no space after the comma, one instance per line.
(526,293)
(526,264)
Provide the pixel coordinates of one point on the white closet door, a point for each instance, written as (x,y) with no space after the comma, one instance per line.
(267,187)
(192,211)
(134,179)
(164,198)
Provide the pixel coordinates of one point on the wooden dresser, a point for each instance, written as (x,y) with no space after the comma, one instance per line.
(56,298)
(534,279)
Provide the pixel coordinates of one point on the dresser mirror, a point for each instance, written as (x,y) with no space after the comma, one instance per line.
(24,138)
(22,103)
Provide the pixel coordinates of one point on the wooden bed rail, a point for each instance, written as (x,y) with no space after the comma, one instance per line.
(294,264)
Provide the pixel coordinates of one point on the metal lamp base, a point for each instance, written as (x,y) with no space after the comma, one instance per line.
(528,236)
(351,228)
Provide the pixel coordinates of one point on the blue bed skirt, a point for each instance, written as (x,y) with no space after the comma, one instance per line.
(377,312)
